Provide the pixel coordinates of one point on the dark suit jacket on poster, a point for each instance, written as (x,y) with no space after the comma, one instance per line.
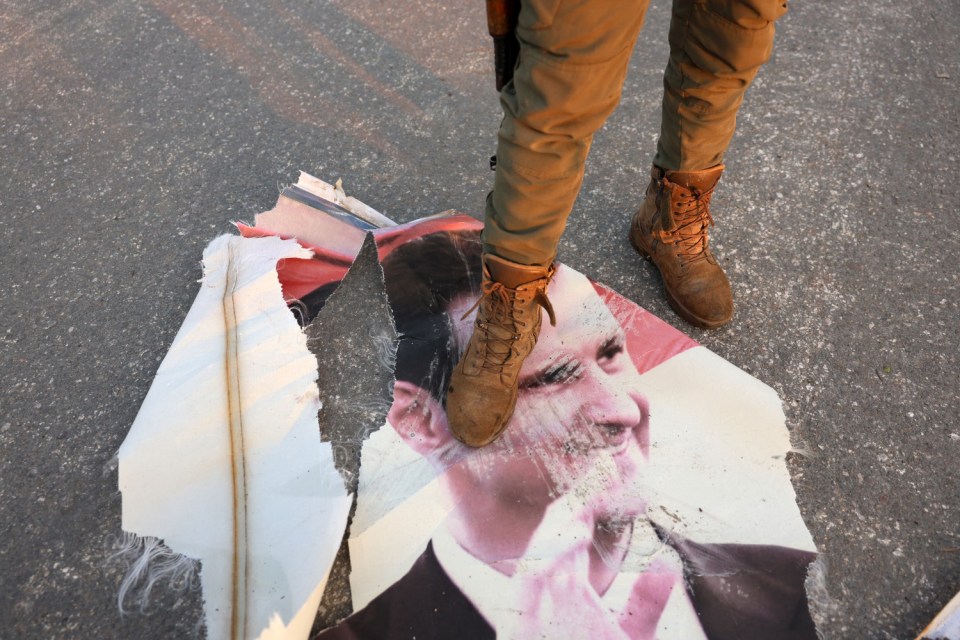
(740,592)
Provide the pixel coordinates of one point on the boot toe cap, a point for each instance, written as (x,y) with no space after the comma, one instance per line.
(705,304)
(475,416)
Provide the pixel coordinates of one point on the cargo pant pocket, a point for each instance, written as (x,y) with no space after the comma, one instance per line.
(538,14)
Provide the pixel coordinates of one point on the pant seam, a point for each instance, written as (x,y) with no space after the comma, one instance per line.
(682,88)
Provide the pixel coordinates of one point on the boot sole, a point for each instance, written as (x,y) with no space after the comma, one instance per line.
(675,304)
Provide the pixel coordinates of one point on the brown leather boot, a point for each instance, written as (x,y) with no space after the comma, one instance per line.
(483,388)
(670,229)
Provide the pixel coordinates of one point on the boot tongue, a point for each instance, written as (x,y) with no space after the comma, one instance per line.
(696,180)
(511,274)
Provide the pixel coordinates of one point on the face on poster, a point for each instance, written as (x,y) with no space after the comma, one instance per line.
(620,501)
(581,422)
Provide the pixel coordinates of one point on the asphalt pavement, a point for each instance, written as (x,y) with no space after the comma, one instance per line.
(133,132)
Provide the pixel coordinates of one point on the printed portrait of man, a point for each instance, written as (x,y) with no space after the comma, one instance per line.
(546,532)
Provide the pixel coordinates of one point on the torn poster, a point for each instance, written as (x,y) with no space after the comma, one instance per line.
(224,462)
(946,626)
(640,490)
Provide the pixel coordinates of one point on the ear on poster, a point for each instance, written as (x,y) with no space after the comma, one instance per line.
(419,420)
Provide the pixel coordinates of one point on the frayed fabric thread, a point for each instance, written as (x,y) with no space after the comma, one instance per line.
(149,562)
(822,606)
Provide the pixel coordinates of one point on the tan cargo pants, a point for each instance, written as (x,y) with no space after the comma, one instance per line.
(573,60)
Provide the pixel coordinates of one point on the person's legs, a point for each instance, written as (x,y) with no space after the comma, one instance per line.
(716,49)
(573,59)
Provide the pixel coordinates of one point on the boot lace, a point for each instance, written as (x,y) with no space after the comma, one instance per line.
(500,332)
(691,215)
